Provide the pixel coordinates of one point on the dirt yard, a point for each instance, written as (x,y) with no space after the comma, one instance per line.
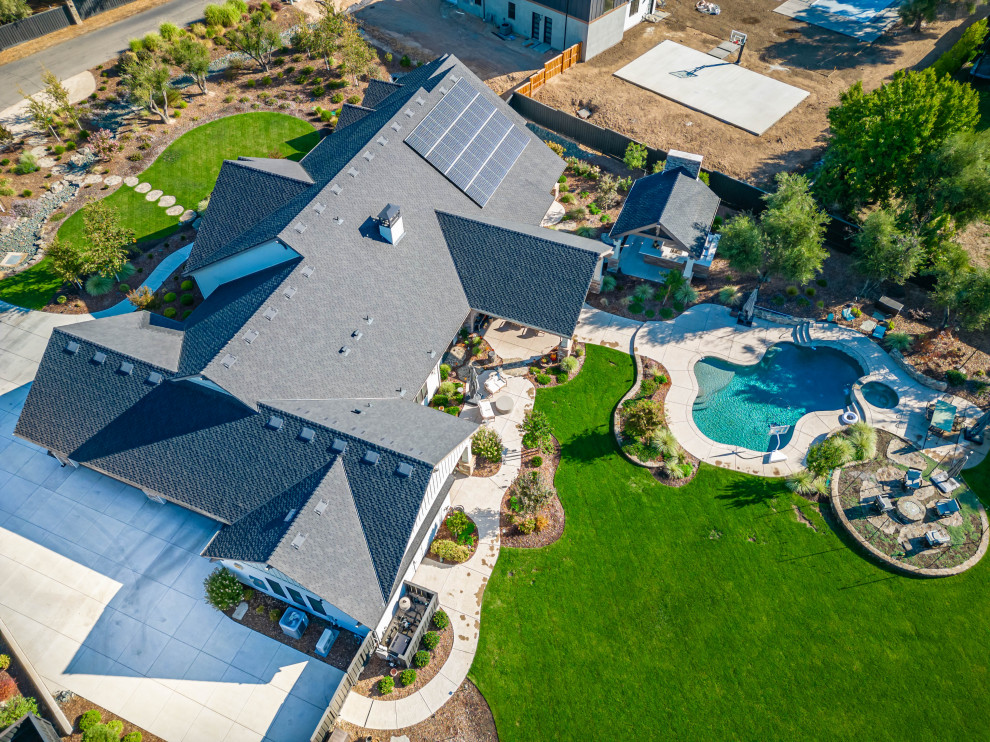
(819,61)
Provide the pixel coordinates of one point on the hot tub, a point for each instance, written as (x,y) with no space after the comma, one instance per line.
(879,395)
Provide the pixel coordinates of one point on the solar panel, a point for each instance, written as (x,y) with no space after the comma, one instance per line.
(470,141)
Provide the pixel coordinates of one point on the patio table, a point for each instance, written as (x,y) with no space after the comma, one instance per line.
(944,416)
(504,404)
(868,326)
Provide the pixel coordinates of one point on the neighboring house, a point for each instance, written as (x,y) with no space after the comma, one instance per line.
(597,24)
(29,728)
(666,221)
(289,406)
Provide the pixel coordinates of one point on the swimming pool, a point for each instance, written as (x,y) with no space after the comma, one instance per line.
(737,404)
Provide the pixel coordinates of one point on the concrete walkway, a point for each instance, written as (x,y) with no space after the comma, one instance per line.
(460,587)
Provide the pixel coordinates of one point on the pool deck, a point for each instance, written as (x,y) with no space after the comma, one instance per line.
(710,330)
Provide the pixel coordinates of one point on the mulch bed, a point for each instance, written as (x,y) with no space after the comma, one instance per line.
(551,368)
(465,717)
(443,533)
(482,467)
(553,510)
(341,653)
(77,705)
(377,668)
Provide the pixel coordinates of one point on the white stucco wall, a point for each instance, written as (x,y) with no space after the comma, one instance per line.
(243,264)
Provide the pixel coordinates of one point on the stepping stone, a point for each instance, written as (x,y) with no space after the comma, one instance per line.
(166,201)
(153,195)
(46,162)
(188,216)
(94,178)
(144,188)
(38,151)
(130,181)
(240,611)
(174,210)
(35,141)
(112,180)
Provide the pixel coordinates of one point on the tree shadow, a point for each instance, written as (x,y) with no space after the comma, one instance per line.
(303,144)
(588,446)
(817,49)
(748,491)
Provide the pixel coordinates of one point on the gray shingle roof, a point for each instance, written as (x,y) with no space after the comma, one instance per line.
(351,114)
(377,91)
(535,276)
(282,167)
(141,336)
(681,205)
(29,728)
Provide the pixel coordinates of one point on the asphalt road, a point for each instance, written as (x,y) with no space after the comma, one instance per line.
(77,55)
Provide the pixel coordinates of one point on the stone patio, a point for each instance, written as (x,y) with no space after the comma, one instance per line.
(517,345)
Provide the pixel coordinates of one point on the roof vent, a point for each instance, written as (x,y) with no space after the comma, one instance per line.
(289,516)
(290,292)
(300,227)
(336,190)
(344,350)
(339,446)
(307,271)
(433,354)
(270,313)
(455,78)
(306,435)
(126,368)
(229,360)
(420,100)
(370,457)
(274,423)
(321,506)
(396,126)
(298,541)
(99,358)
(402,392)
(319,208)
(369,319)
(382,141)
(357,334)
(72,347)
(154,378)
(250,336)
(369,156)
(404,470)
(338,220)
(390,224)
(352,172)
(686,160)
(410,113)
(443,90)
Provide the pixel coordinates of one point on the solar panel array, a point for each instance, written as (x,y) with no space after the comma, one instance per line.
(470,141)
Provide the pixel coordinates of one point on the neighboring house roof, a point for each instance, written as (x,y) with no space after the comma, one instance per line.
(681,205)
(507,270)
(29,728)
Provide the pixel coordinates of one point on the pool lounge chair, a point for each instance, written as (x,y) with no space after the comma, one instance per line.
(487,413)
(944,483)
(880,331)
(947,507)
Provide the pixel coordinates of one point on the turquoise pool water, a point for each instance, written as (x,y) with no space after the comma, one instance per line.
(879,395)
(737,404)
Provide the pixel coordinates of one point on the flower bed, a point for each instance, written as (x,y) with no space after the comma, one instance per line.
(551,370)
(551,513)
(378,669)
(456,539)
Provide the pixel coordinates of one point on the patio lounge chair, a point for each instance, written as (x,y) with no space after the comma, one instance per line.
(912,479)
(935,538)
(495,382)
(947,507)
(487,413)
(944,483)
(847,314)
(880,331)
(883,504)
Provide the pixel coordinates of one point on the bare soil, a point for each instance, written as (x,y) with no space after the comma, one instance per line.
(76,706)
(377,668)
(465,717)
(482,467)
(813,59)
(553,510)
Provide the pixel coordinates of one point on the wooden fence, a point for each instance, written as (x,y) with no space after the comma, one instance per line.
(39,24)
(551,68)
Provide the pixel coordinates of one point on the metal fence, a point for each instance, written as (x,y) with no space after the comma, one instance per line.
(325,727)
(87,8)
(39,24)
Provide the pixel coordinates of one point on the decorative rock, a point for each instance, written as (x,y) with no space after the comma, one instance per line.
(130,181)
(35,141)
(112,180)
(173,210)
(94,178)
(80,159)
(143,188)
(166,201)
(46,162)
(240,611)
(38,151)
(152,195)
(188,216)
(58,169)
(57,186)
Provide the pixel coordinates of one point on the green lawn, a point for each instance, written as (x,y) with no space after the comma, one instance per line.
(187,169)
(710,613)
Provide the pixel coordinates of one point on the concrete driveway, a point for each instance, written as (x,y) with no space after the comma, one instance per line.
(103,589)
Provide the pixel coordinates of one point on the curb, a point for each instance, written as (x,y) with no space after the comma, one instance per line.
(46,700)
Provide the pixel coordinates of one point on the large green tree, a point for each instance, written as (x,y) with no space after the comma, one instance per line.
(67,260)
(148,80)
(192,57)
(788,239)
(328,34)
(13,10)
(878,138)
(954,180)
(106,240)
(356,54)
(885,251)
(258,38)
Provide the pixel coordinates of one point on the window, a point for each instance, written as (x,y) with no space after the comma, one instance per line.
(633,8)
(296,596)
(257,583)
(276,588)
(607,5)
(317,605)
(512,11)
(548,30)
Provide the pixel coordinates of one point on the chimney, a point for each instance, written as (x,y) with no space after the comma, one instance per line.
(390,224)
(691,163)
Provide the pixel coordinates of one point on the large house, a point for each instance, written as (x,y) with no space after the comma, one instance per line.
(289,406)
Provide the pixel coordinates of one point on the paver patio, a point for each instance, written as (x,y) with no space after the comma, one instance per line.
(103,588)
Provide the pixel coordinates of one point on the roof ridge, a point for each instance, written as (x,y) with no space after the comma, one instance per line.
(505,226)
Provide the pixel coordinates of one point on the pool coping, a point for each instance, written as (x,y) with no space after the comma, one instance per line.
(678,346)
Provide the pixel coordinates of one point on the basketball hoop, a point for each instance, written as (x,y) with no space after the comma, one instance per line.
(738,37)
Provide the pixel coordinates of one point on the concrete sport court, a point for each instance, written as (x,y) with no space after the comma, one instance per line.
(724,90)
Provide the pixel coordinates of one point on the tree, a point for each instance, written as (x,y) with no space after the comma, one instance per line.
(147,79)
(915,12)
(954,180)
(877,138)
(788,239)
(59,95)
(193,58)
(106,239)
(13,10)
(67,261)
(949,264)
(635,157)
(223,591)
(257,38)
(43,111)
(968,294)
(356,55)
(884,252)
(141,297)
(327,34)
(537,432)
(644,419)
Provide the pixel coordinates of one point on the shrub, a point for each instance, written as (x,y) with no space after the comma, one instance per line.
(441,620)
(251,83)
(444,372)
(136,156)
(831,453)
(223,591)
(899,341)
(537,432)
(134,736)
(644,418)
(856,312)
(58,150)
(805,482)
(532,491)
(575,214)
(27,193)
(386,685)
(791,291)
(449,551)
(152,42)
(810,291)
(89,719)
(729,295)
(170,312)
(541,522)
(543,379)
(186,285)
(457,523)
(803,302)
(666,312)
(124,288)
(567,198)
(169,297)
(116,726)
(569,364)
(431,639)
(169,31)
(408,676)
(187,299)
(405,61)
(274,615)
(446,388)
(864,440)
(4,662)
(526,525)
(337,98)
(608,283)
(536,462)
(486,442)
(26,163)
(354,99)
(318,91)
(225,15)
(266,80)
(605,219)
(8,687)
(963,50)
(185,313)
(955,377)
(97,285)
(421,658)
